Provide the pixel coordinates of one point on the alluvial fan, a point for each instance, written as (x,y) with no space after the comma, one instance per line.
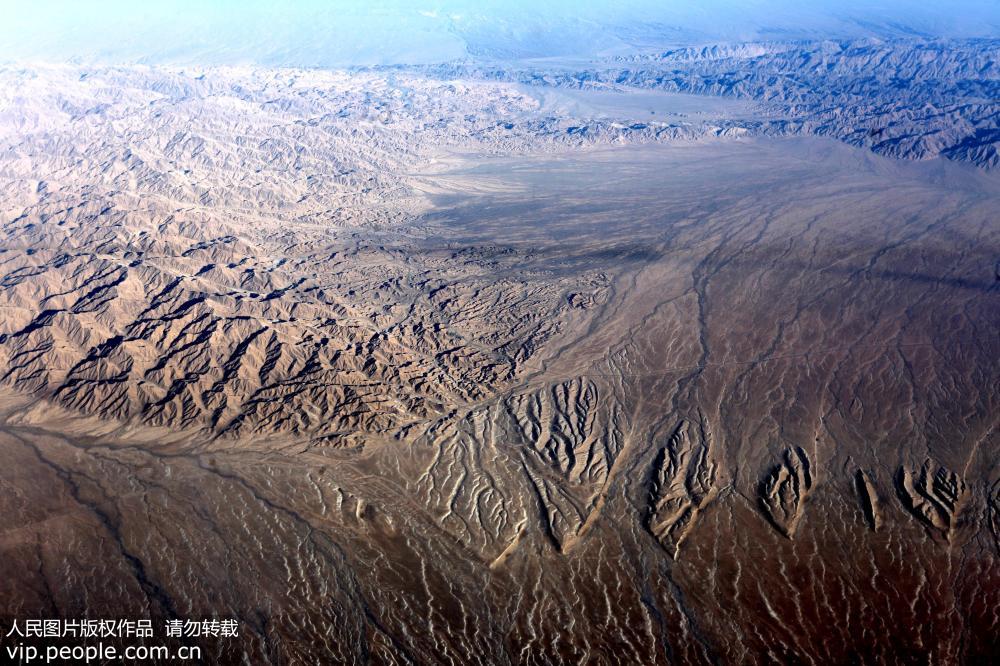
(395,369)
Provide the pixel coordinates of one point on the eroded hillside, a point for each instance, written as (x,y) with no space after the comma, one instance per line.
(402,370)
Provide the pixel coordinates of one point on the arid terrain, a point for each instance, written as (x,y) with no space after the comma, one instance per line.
(451,366)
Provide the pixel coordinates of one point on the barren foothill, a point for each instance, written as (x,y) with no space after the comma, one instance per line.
(396,368)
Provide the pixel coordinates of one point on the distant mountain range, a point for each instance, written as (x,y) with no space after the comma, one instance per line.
(383,32)
(905,98)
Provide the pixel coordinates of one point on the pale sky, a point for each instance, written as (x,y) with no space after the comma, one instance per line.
(343,32)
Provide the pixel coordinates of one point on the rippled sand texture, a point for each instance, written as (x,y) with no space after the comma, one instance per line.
(725,401)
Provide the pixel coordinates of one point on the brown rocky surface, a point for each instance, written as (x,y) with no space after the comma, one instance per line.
(346,358)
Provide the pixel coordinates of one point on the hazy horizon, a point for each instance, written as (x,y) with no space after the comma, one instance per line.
(341,33)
